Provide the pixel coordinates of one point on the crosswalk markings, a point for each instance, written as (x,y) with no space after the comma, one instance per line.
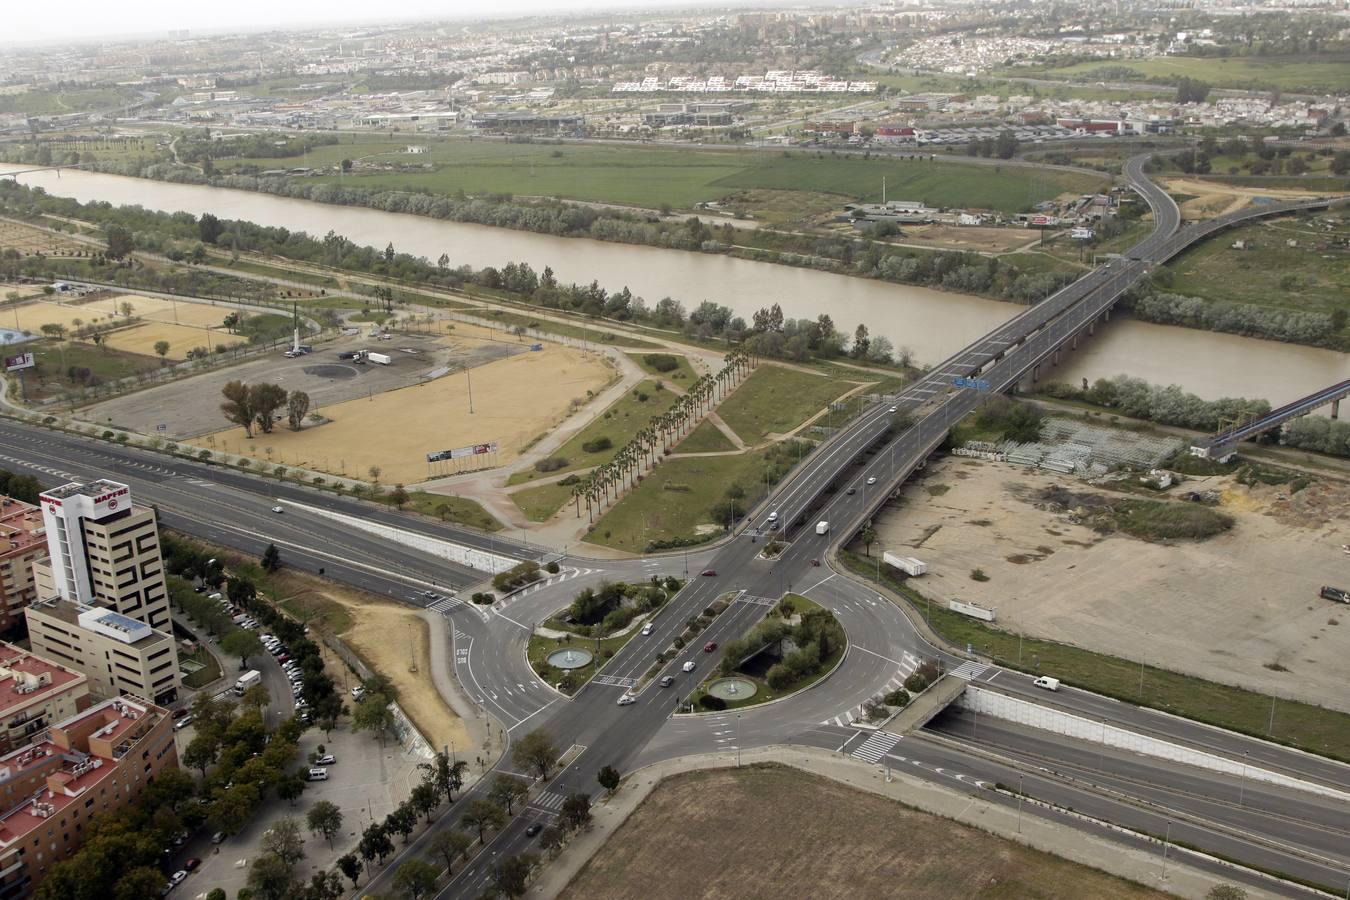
(445,604)
(548,800)
(615,681)
(908,663)
(876,746)
(969,670)
(758,601)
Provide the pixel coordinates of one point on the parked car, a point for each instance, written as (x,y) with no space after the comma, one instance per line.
(317,775)
(327,759)
(192,864)
(177,877)
(179,713)
(218,837)
(533,829)
(183,722)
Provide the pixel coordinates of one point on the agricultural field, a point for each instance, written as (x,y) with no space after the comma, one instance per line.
(652,177)
(1313,276)
(720,834)
(28,241)
(1323,74)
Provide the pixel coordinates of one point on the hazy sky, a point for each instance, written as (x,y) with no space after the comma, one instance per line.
(26,22)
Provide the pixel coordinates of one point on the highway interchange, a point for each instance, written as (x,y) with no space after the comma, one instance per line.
(1273,828)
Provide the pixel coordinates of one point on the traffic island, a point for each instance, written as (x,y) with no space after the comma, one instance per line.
(797,645)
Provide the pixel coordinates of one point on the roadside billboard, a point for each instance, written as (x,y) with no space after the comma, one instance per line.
(21,361)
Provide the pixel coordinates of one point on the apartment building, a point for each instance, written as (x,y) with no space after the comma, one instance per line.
(120,655)
(34,693)
(104,551)
(93,762)
(23,541)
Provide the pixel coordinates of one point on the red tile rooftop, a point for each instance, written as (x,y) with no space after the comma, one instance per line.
(23,677)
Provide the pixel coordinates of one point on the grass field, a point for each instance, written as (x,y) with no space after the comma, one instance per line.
(459,510)
(681,376)
(1312,728)
(651,176)
(1323,74)
(775,400)
(55,102)
(1269,272)
(539,503)
(617,424)
(674,501)
(774,831)
(705,438)
(55,358)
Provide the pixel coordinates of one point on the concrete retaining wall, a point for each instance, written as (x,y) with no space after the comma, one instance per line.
(492,563)
(1055,721)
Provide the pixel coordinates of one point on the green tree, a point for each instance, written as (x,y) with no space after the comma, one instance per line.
(415,878)
(290,787)
(868,535)
(576,810)
(375,842)
(324,818)
(162,348)
(256,696)
(536,752)
(609,778)
(402,820)
(265,400)
(142,881)
(201,751)
(284,840)
(511,873)
(481,815)
(271,558)
(270,877)
(399,496)
(209,228)
(243,644)
(119,241)
(506,790)
(551,838)
(425,798)
(232,809)
(350,866)
(373,714)
(238,405)
(297,407)
(451,845)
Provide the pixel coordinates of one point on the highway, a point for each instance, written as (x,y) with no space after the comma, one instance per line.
(832,485)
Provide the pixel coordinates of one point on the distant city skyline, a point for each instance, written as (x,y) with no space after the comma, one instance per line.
(86,20)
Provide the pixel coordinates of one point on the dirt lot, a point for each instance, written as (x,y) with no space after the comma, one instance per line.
(1211,199)
(384,634)
(182,338)
(721,834)
(34,240)
(989,240)
(191,408)
(1223,609)
(514,400)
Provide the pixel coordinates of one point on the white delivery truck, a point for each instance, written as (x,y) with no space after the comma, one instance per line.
(246,681)
(381,358)
(1046,682)
(822,527)
(907,564)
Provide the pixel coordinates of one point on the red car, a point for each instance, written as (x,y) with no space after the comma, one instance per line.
(179,713)
(709,573)
(710,646)
(192,864)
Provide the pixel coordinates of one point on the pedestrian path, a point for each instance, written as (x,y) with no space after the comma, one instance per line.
(615,681)
(550,800)
(969,671)
(908,663)
(758,601)
(445,605)
(876,746)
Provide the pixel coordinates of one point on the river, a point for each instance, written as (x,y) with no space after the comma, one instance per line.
(933,324)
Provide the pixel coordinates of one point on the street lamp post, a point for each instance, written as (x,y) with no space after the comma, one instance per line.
(1167,840)
(1019,804)
(738,740)
(1242,784)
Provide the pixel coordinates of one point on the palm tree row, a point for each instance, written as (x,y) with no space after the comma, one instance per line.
(606,482)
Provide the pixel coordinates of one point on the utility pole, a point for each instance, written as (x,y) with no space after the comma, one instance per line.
(1019,803)
(1167,840)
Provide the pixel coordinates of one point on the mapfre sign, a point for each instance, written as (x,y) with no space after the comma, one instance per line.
(112,502)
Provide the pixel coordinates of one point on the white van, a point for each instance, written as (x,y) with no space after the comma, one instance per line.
(1045,681)
(318,774)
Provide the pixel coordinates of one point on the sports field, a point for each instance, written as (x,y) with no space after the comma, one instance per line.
(652,176)
(514,401)
(184,325)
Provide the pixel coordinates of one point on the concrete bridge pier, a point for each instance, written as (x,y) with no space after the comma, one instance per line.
(1054,360)
(1335,409)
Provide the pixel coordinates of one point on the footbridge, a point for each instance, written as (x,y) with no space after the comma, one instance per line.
(1223,445)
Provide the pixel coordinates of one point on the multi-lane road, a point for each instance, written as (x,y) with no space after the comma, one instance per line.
(842,482)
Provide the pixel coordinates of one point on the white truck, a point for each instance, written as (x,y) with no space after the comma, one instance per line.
(907,564)
(246,681)
(380,358)
(822,527)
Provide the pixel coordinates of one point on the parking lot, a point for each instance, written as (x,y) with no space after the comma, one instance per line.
(366,783)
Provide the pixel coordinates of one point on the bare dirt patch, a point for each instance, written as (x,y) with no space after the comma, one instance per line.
(389,637)
(28,241)
(1220,609)
(975,237)
(721,835)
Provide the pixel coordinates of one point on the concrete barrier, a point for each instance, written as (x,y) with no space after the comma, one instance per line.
(1098,731)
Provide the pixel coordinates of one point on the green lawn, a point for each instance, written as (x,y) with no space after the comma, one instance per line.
(43,101)
(54,359)
(1312,728)
(705,438)
(681,376)
(775,400)
(540,647)
(539,503)
(312,608)
(624,418)
(1270,272)
(209,671)
(672,502)
(459,510)
(1322,74)
(652,176)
